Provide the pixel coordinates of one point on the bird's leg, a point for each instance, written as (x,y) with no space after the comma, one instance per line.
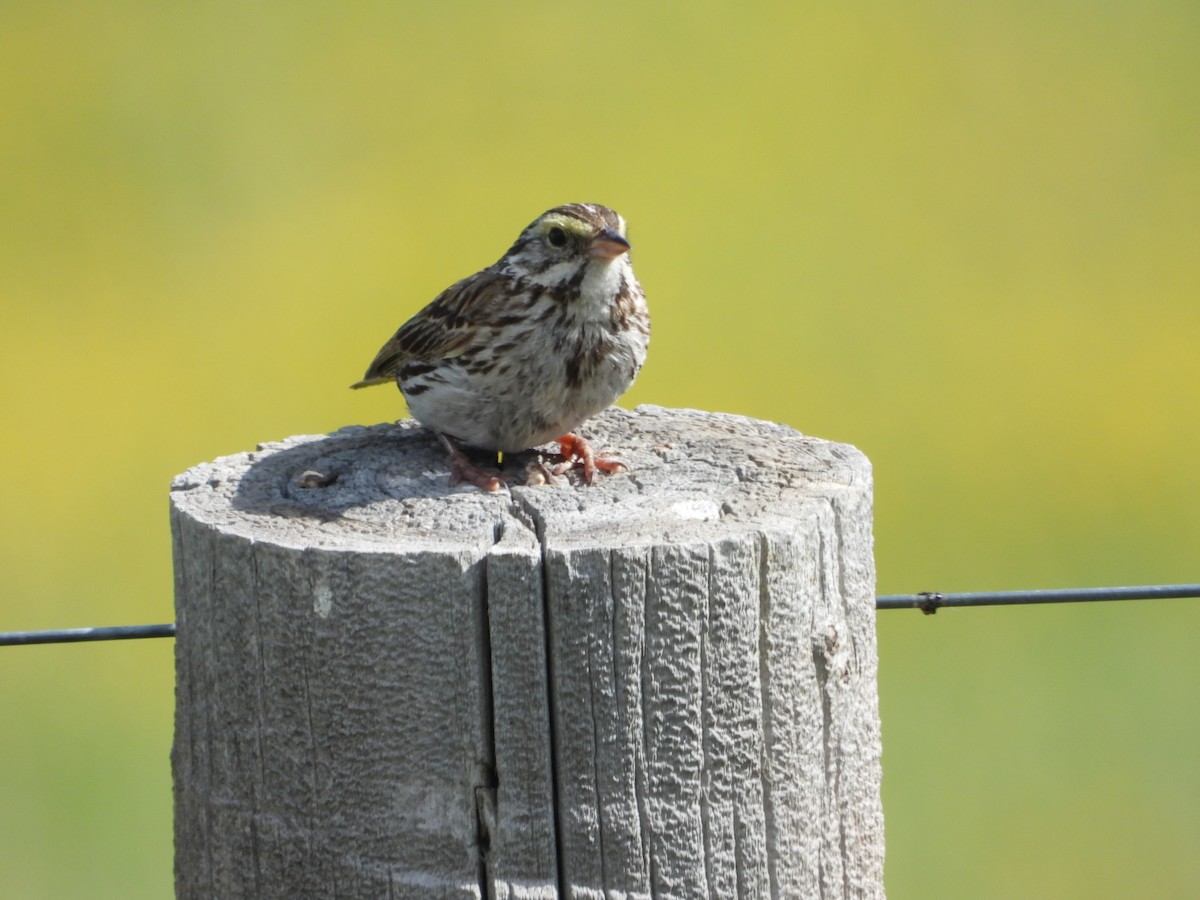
(577,452)
(463,470)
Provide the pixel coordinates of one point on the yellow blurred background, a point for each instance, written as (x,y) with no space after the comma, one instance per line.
(964,238)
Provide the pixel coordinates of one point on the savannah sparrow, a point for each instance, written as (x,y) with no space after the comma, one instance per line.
(524,351)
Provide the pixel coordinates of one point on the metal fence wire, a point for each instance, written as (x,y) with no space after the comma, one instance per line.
(929,602)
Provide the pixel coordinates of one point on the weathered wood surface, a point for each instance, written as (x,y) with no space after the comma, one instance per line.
(663,685)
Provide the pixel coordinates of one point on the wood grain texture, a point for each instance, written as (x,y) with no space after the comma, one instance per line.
(663,685)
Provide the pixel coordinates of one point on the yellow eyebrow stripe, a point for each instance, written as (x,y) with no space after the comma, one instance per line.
(566,223)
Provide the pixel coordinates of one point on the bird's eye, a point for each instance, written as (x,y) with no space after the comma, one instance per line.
(557,237)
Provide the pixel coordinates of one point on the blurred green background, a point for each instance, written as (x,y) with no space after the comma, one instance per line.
(965,238)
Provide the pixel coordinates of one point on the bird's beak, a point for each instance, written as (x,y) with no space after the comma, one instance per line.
(607,245)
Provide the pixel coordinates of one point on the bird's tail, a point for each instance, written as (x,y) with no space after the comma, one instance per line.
(371,382)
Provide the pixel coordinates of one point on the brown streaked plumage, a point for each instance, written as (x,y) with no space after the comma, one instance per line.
(522,352)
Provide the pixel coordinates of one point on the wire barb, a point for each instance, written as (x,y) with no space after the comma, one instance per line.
(929,602)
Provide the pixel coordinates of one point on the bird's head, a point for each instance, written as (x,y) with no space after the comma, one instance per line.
(561,241)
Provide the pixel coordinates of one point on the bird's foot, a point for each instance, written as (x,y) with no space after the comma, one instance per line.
(539,472)
(577,453)
(463,471)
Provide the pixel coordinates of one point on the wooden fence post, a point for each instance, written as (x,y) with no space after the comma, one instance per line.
(663,685)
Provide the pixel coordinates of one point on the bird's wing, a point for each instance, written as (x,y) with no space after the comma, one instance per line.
(443,329)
